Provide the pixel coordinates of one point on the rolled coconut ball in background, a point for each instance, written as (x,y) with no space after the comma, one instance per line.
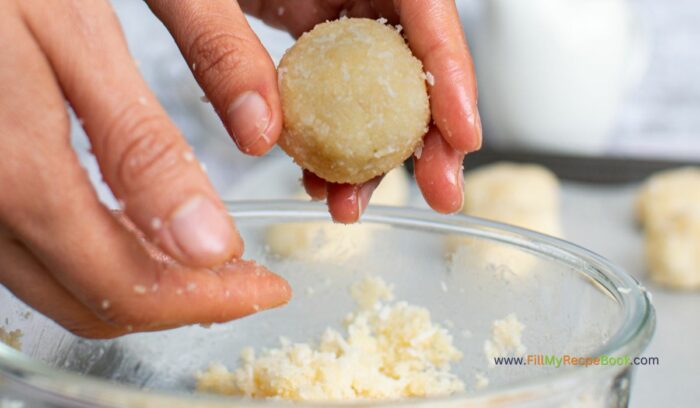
(354,100)
(668,207)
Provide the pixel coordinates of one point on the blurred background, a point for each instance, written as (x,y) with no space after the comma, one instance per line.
(603,92)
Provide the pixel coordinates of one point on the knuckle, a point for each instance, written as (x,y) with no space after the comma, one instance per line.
(141,150)
(127,314)
(217,53)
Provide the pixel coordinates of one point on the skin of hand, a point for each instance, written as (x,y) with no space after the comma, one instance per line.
(173,256)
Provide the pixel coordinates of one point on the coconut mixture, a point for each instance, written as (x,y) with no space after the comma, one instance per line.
(389,350)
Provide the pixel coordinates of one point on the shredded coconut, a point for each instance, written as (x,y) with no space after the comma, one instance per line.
(419,150)
(505,339)
(140,289)
(391,350)
(105,304)
(12,338)
(481,381)
(156,223)
(429,78)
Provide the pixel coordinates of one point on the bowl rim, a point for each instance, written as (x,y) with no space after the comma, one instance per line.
(631,338)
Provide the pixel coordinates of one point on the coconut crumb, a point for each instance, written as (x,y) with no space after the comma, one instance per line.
(143,101)
(188,156)
(106,304)
(194,66)
(191,286)
(506,338)
(140,289)
(481,381)
(256,307)
(12,338)
(179,292)
(419,150)
(399,28)
(382,20)
(390,351)
(429,78)
(280,10)
(156,223)
(370,291)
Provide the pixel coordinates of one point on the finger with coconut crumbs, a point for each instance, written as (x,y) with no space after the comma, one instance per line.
(314,185)
(347,202)
(435,35)
(142,155)
(438,172)
(231,65)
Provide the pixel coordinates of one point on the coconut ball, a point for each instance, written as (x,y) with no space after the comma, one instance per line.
(354,100)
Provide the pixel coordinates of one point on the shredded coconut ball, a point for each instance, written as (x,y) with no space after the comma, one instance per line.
(390,350)
(354,99)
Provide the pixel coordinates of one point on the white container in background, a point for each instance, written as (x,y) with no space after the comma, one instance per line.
(552,73)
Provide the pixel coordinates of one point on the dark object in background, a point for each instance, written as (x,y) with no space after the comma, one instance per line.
(577,168)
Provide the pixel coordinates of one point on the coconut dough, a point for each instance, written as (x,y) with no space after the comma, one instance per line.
(391,350)
(354,100)
(668,206)
(524,195)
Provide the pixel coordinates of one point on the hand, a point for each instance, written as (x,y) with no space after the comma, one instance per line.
(240,79)
(63,252)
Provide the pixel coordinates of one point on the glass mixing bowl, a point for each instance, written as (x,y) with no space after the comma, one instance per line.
(466,271)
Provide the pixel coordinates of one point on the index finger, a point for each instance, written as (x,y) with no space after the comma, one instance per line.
(435,36)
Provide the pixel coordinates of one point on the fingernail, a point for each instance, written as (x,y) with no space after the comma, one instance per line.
(365,194)
(201,230)
(460,178)
(248,118)
(478,131)
(344,203)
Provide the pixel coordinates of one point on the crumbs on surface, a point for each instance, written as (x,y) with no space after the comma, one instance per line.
(12,338)
(390,350)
